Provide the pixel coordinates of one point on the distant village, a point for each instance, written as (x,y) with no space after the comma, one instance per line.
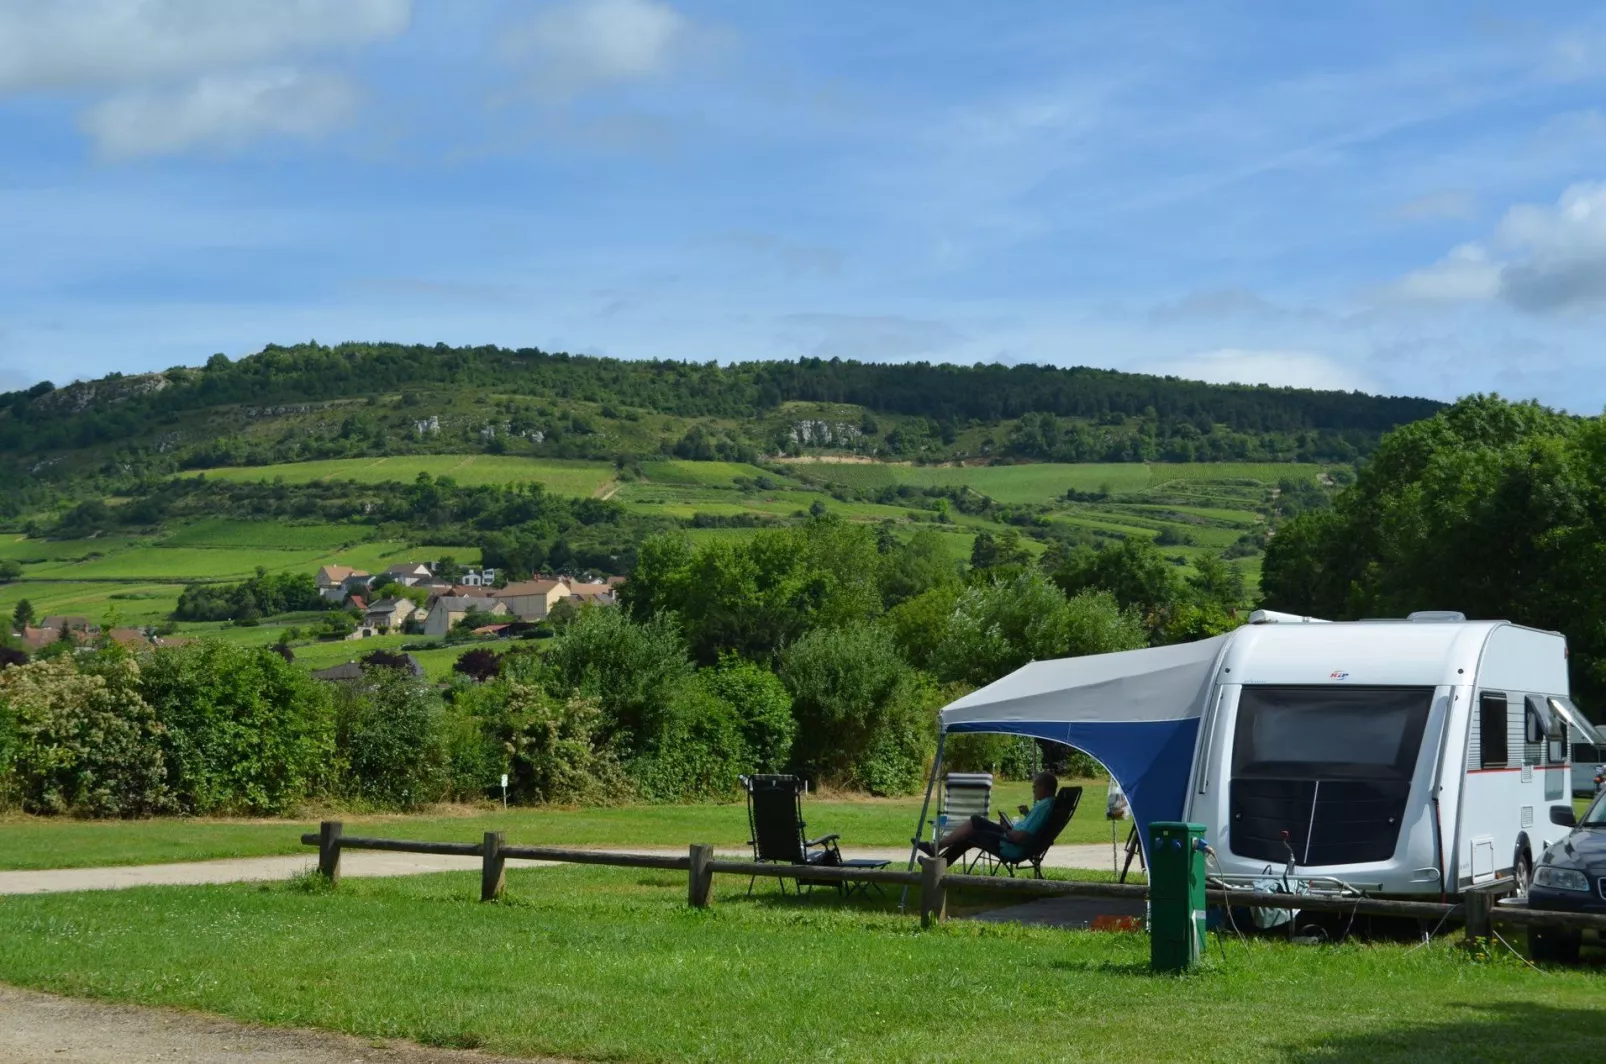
(411,598)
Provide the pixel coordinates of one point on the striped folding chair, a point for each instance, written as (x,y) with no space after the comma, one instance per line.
(964,795)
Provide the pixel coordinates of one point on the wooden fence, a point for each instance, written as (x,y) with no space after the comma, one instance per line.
(1478,910)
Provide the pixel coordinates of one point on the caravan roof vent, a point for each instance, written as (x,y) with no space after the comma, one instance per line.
(1432,616)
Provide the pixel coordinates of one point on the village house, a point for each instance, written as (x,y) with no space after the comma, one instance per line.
(448,610)
(70,623)
(478,578)
(333,581)
(532,600)
(593,594)
(389,614)
(409,573)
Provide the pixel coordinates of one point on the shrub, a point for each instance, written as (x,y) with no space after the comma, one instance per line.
(864,717)
(245,731)
(762,707)
(633,670)
(697,752)
(479,664)
(82,740)
(547,746)
(390,739)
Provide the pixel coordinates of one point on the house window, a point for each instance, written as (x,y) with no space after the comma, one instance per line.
(1493,752)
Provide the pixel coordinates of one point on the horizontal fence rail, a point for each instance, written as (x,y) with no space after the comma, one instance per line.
(1478,910)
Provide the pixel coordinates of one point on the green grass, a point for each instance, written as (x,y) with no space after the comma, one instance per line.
(133,603)
(721,474)
(274,535)
(611,964)
(559,476)
(49,842)
(181,564)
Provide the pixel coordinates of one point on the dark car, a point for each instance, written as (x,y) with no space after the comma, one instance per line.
(1570,876)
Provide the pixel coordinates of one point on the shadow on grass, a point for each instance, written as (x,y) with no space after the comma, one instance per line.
(1503,1032)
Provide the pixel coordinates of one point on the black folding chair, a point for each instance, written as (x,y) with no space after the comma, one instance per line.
(775,818)
(1065,803)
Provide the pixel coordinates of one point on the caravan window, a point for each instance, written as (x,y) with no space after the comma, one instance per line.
(1327,733)
(1493,752)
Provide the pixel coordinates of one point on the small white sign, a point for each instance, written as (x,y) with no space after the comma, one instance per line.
(504,781)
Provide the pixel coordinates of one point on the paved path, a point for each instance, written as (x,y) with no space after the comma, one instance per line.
(36,1028)
(366,863)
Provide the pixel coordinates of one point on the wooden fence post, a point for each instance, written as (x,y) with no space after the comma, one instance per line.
(329,850)
(493,871)
(1479,906)
(700,881)
(933,895)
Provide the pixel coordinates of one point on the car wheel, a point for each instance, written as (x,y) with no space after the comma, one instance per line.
(1557,947)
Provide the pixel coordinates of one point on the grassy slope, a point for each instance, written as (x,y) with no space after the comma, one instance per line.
(37,842)
(611,964)
(562,476)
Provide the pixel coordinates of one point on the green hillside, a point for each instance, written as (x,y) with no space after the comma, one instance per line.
(122,492)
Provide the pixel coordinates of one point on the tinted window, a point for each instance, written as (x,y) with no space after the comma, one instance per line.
(1492,731)
(1329,733)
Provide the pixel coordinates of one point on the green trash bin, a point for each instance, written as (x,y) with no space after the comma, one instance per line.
(1176,896)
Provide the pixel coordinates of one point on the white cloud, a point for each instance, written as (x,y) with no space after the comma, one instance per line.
(1280,369)
(588,44)
(1466,273)
(53,45)
(222,111)
(1540,259)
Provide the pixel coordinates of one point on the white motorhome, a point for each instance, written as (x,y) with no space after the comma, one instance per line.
(1401,757)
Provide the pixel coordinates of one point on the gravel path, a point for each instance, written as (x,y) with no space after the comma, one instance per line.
(35,1028)
(363,863)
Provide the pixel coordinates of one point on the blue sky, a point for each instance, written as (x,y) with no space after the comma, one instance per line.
(1399,198)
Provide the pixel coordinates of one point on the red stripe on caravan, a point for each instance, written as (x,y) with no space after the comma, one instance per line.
(1515,768)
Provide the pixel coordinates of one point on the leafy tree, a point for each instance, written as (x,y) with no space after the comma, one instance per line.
(1133,571)
(997,628)
(22,616)
(998,552)
(1217,583)
(918,625)
(479,665)
(10,570)
(389,736)
(448,570)
(86,740)
(864,717)
(763,707)
(243,730)
(913,568)
(1493,508)
(634,671)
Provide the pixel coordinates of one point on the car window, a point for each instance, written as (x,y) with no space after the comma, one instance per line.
(1595,815)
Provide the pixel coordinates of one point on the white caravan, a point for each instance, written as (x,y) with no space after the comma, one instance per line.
(1589,758)
(1414,757)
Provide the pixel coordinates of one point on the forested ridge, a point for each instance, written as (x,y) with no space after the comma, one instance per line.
(44,418)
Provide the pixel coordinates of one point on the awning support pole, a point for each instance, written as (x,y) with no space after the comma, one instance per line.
(931,785)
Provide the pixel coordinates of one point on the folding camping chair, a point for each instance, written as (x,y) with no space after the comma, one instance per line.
(964,795)
(775,818)
(1065,803)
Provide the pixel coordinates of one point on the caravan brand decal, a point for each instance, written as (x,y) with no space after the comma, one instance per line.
(1338,674)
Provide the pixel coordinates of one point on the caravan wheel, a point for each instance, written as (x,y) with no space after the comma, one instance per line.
(1523,873)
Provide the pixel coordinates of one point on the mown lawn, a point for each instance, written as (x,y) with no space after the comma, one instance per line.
(56,842)
(560,476)
(611,964)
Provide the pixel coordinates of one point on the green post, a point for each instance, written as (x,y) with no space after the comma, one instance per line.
(1176,896)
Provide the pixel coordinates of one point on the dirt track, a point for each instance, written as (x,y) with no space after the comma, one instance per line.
(35,1028)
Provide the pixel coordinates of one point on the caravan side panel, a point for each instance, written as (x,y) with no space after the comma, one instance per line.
(1511,773)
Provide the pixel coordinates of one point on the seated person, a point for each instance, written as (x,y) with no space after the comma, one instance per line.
(1007,840)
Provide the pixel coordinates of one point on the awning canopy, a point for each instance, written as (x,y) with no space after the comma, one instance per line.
(1136,711)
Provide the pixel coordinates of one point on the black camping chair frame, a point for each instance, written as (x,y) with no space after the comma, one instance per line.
(780,836)
(1065,805)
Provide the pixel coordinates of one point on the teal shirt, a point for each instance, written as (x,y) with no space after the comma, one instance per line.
(1031,823)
